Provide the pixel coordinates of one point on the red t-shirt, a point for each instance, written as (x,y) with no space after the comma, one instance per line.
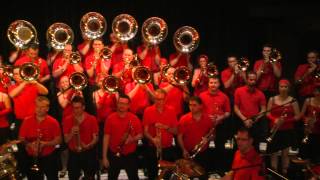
(286,111)
(58,63)
(149,61)
(248,102)
(267,80)
(168,117)
(237,81)
(117,126)
(41,63)
(108,105)
(4,115)
(215,104)
(182,61)
(88,128)
(309,83)
(88,64)
(193,131)
(174,98)
(4,83)
(25,101)
(48,129)
(241,166)
(116,59)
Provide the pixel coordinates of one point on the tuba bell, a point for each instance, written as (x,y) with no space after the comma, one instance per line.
(93,25)
(58,35)
(154,30)
(75,57)
(29,71)
(186,39)
(182,75)
(20,33)
(111,84)
(142,75)
(124,27)
(78,81)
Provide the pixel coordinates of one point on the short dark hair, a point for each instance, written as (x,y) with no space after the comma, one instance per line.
(196,99)
(251,72)
(124,96)
(267,45)
(78,99)
(203,56)
(33,46)
(42,98)
(245,129)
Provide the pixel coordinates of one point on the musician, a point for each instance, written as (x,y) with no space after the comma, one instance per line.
(158,77)
(200,75)
(232,77)
(249,106)
(41,133)
(81,134)
(176,93)
(5,80)
(5,109)
(282,118)
(117,47)
(124,66)
(267,71)
(150,55)
(178,59)
(305,75)
(121,134)
(247,163)
(63,67)
(193,128)
(32,55)
(159,125)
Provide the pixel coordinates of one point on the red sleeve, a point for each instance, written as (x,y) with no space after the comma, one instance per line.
(45,67)
(138,126)
(181,125)
(5,111)
(225,76)
(300,71)
(107,125)
(87,62)
(227,107)
(146,117)
(56,64)
(263,101)
(256,66)
(23,129)
(94,125)
(237,97)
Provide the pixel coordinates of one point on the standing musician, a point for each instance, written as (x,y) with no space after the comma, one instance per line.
(282,121)
(268,71)
(150,55)
(125,72)
(32,55)
(200,75)
(160,125)
(194,128)
(159,77)
(41,133)
(121,134)
(81,133)
(247,163)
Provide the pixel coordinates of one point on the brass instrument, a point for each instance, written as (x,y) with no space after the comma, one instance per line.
(164,70)
(197,148)
(186,39)
(75,57)
(59,35)
(276,127)
(135,62)
(243,64)
(124,138)
(142,75)
(159,148)
(35,166)
(212,70)
(78,138)
(154,30)
(106,53)
(275,55)
(20,33)
(111,84)
(309,126)
(8,71)
(93,25)
(29,71)
(78,81)
(182,75)
(124,27)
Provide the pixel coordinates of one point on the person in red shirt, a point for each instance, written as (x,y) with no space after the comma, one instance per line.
(200,75)
(5,109)
(41,133)
(150,56)
(193,128)
(121,134)
(158,77)
(247,163)
(232,77)
(32,55)
(160,125)
(268,72)
(178,59)
(81,134)
(283,119)
(117,47)
(5,80)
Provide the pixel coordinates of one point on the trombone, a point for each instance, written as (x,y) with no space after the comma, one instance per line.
(124,138)
(198,147)
(29,71)
(142,75)
(182,75)
(276,127)
(111,84)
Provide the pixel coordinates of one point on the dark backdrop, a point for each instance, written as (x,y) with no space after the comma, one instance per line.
(240,28)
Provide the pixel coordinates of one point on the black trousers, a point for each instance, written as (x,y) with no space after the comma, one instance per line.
(85,161)
(126,162)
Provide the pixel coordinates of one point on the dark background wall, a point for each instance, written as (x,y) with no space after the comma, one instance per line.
(240,28)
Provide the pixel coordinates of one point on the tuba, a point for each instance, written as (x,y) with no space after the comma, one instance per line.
(182,75)
(111,84)
(154,30)
(78,81)
(20,33)
(142,75)
(93,25)
(58,35)
(29,71)
(124,27)
(243,64)
(186,39)
(75,57)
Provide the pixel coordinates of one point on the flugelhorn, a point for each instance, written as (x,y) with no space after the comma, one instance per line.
(78,81)
(29,71)
(186,39)
(182,75)
(59,35)
(20,33)
(142,75)
(154,30)
(93,25)
(124,27)
(111,84)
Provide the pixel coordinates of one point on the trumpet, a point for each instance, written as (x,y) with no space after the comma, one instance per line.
(125,27)
(309,126)
(186,39)
(58,35)
(154,30)
(29,71)
(93,25)
(111,84)
(124,138)
(142,75)
(35,166)
(182,75)
(276,127)
(20,33)
(75,58)
(198,147)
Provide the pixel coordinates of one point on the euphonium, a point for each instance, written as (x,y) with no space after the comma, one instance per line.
(186,39)
(78,81)
(20,33)
(142,75)
(275,55)
(276,127)
(243,64)
(111,84)
(75,57)
(93,25)
(212,70)
(58,35)
(154,30)
(125,27)
(29,71)
(182,75)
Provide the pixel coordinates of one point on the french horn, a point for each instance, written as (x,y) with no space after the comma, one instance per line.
(93,25)
(58,35)
(186,39)
(20,33)
(124,27)
(154,30)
